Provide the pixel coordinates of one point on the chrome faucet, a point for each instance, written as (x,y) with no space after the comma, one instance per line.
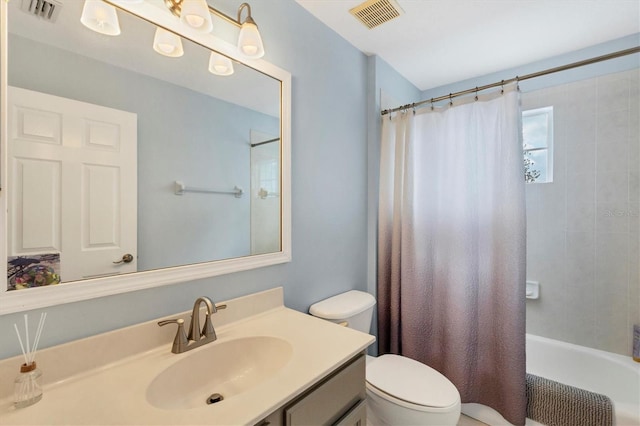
(196,337)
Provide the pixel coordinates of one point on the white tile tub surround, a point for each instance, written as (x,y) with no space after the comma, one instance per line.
(583,229)
(104,379)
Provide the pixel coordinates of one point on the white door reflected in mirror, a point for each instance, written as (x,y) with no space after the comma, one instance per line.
(73,172)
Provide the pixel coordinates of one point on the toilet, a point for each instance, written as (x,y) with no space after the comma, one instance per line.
(400,391)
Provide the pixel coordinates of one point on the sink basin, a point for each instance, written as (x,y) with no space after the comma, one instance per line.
(226,367)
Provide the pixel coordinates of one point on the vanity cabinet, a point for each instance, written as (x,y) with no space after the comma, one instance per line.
(339,399)
(313,373)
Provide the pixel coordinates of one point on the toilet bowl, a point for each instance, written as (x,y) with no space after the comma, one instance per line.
(400,391)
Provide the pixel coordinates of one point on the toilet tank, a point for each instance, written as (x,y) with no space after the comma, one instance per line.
(353,307)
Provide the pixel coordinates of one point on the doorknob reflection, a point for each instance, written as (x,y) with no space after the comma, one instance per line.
(127,258)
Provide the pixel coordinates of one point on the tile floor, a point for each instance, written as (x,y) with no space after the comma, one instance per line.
(468,421)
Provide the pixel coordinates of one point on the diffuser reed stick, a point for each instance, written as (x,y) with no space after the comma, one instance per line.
(24,353)
(43,318)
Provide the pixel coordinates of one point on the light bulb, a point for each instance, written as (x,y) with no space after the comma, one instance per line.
(166,48)
(220,65)
(250,42)
(100,17)
(167,43)
(195,14)
(249,49)
(194,21)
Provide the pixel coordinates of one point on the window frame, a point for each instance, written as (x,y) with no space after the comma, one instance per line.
(548,111)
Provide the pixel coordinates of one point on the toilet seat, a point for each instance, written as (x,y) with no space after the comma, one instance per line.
(411,384)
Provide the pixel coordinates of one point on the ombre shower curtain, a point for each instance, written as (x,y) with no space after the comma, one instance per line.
(451,246)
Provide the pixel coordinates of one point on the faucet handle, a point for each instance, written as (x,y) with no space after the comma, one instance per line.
(180,342)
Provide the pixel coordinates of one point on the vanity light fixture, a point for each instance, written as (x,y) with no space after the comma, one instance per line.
(249,40)
(196,15)
(100,17)
(220,65)
(167,43)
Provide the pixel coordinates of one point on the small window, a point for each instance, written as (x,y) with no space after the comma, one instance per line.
(269,176)
(537,134)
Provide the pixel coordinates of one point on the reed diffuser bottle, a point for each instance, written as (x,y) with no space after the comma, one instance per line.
(27,386)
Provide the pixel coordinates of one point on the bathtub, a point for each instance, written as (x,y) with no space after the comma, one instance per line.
(606,373)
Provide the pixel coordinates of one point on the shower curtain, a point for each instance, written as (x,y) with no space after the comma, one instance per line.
(451,246)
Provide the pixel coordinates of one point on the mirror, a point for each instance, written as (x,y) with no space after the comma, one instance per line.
(127,169)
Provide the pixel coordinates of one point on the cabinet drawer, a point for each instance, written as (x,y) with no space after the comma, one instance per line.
(357,416)
(273,419)
(331,400)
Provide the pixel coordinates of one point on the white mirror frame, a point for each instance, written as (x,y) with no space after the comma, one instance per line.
(35,298)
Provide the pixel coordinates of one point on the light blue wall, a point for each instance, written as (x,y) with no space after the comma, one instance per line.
(210,149)
(581,73)
(329,197)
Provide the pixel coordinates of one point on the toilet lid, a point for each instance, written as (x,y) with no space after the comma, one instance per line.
(412,381)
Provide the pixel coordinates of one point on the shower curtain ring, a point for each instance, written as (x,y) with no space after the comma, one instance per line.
(450,99)
(432,108)
(502,89)
(476,93)
(517,83)
(413,107)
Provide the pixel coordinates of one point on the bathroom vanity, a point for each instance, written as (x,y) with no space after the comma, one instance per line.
(340,399)
(271,365)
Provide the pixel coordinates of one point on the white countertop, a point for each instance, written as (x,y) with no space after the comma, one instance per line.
(116,393)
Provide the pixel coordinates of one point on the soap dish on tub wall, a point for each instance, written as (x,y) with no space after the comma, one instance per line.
(533,290)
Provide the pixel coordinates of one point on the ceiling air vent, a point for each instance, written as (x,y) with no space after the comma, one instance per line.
(45,9)
(376,12)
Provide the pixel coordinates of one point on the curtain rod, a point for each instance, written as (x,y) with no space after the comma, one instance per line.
(518,79)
